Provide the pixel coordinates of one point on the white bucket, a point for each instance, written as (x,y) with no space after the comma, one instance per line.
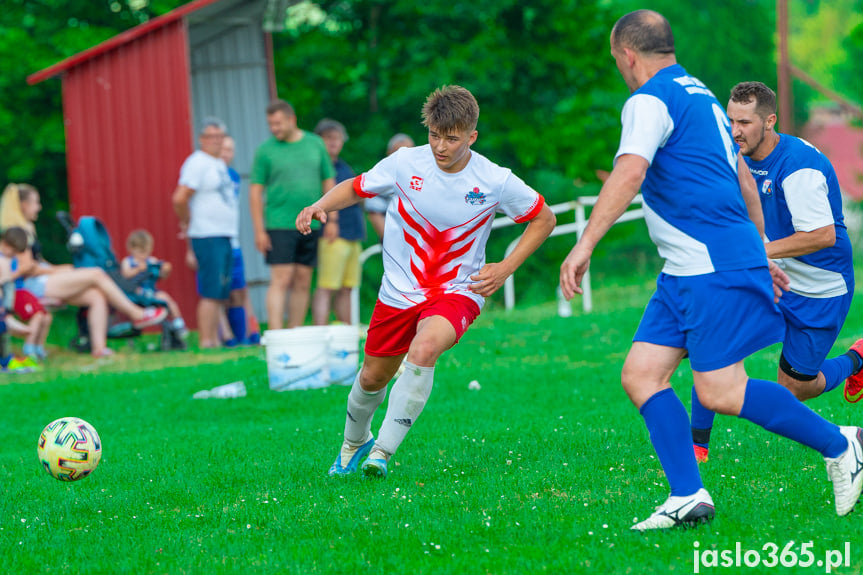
(343,353)
(297,358)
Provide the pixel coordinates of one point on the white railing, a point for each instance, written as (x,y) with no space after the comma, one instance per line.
(578,205)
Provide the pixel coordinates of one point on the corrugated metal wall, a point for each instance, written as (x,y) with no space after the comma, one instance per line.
(230,80)
(128,130)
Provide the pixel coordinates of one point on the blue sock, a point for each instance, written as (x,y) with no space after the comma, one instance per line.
(774,408)
(666,422)
(237,321)
(702,422)
(836,371)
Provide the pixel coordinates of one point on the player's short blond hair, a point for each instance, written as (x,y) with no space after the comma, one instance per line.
(450,109)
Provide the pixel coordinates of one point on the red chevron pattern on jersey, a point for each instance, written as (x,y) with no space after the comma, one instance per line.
(434,250)
(438,223)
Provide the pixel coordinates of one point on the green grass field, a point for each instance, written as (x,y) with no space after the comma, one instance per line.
(543,470)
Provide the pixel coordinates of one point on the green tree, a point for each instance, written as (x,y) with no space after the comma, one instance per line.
(848,77)
(722,43)
(541,70)
(818,36)
(541,73)
(846,73)
(35,34)
(821,44)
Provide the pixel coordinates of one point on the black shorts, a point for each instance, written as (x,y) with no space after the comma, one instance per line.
(292,247)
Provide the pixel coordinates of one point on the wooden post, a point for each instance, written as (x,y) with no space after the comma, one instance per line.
(783,72)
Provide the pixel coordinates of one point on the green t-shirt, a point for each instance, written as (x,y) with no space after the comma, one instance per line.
(292,173)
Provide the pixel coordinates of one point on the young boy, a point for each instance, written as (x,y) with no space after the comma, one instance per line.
(146,270)
(444,198)
(36,320)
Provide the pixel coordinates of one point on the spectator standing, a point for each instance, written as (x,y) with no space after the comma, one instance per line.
(339,248)
(241,318)
(206,206)
(291,170)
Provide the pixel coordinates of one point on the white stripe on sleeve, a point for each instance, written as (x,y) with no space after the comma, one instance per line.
(806,196)
(647,125)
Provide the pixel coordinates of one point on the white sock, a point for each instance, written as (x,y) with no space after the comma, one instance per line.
(361,407)
(407,400)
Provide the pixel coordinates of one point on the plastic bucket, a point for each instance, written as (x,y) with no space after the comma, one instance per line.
(296,358)
(343,353)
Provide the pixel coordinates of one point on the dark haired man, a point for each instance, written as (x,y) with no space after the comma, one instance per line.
(805,233)
(291,169)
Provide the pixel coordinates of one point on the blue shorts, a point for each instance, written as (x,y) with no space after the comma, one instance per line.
(720,318)
(214,267)
(811,328)
(238,275)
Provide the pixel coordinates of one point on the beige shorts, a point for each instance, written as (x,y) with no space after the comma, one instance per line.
(338,264)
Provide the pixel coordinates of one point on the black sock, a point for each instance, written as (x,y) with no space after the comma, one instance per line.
(856,360)
(701,436)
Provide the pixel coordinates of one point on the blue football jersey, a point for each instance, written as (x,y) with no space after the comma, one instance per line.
(800,193)
(693,205)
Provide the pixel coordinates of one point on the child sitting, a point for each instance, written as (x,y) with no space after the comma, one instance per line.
(36,320)
(144,270)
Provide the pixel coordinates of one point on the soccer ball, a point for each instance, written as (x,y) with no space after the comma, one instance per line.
(69,448)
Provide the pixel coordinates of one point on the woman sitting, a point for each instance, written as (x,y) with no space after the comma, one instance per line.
(84,287)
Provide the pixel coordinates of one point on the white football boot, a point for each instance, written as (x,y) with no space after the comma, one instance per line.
(685,511)
(846,471)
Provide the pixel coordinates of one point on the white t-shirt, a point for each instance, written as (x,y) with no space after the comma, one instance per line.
(437,223)
(213,207)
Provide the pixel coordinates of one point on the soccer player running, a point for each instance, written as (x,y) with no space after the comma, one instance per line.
(444,198)
(714,296)
(806,234)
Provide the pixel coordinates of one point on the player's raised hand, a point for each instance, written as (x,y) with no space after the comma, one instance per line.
(309,213)
(572,271)
(489,279)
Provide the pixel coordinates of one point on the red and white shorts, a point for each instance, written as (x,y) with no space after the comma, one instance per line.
(26,305)
(391,329)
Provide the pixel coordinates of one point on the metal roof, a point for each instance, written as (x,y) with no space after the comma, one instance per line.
(129,36)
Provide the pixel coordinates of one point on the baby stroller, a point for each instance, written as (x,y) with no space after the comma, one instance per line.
(90,246)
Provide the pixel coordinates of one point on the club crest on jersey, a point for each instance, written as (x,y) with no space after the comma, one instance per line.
(767,187)
(475,197)
(416,183)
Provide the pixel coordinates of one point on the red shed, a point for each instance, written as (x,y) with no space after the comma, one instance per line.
(831,130)
(131,106)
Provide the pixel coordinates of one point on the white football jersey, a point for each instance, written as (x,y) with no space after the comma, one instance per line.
(437,224)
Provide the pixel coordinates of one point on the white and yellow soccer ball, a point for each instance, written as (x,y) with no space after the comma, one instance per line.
(69,448)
